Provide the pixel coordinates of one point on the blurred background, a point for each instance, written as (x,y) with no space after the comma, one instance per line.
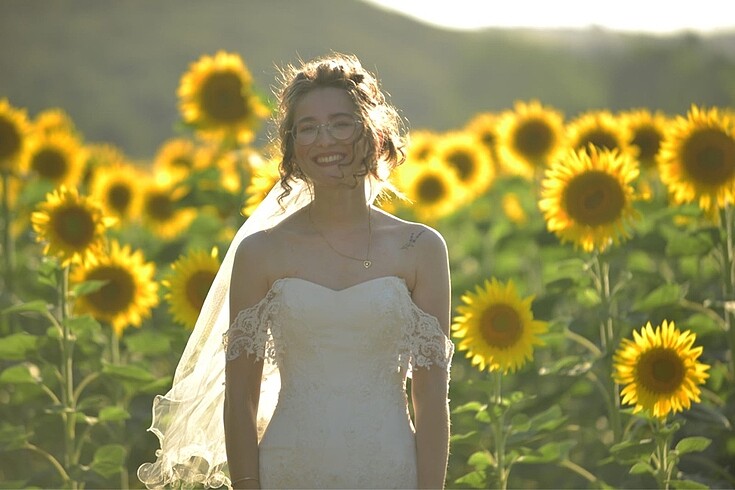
(115,66)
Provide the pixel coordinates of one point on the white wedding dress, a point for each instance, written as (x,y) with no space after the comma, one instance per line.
(342,417)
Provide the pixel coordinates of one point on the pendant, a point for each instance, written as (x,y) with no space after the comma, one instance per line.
(367,264)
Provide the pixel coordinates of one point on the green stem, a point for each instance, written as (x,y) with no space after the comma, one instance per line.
(566,463)
(729,286)
(607,339)
(663,466)
(8,252)
(67,372)
(498,426)
(48,457)
(583,341)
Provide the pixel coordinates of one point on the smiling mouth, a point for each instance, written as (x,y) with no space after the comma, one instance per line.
(327,159)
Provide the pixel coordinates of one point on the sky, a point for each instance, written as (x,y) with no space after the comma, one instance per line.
(649,16)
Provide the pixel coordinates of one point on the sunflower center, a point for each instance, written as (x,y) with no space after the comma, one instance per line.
(599,138)
(117,294)
(648,139)
(160,207)
(182,162)
(533,139)
(9,139)
(594,198)
(74,226)
(430,189)
(119,197)
(660,371)
(500,326)
(463,163)
(222,97)
(709,157)
(488,139)
(49,163)
(197,288)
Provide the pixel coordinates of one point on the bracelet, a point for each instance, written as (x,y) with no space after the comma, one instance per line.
(244,478)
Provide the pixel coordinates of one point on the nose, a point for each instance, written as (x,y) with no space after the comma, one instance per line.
(322,131)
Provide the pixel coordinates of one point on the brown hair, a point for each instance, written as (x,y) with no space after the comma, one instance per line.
(382,126)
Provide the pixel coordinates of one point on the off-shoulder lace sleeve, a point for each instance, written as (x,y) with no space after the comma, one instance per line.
(251,331)
(423,344)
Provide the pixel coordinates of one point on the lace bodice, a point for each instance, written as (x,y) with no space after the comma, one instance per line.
(343,356)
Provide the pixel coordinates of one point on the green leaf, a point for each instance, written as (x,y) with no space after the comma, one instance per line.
(88,287)
(466,437)
(693,444)
(687,244)
(12,437)
(642,467)
(108,460)
(38,305)
(17,346)
(688,485)
(472,406)
(475,479)
(481,460)
(549,419)
(113,414)
(665,295)
(128,373)
(83,326)
(148,343)
(629,452)
(25,373)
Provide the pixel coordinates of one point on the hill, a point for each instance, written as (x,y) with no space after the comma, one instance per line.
(115,65)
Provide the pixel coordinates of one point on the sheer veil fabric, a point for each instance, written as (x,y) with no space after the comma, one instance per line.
(188,420)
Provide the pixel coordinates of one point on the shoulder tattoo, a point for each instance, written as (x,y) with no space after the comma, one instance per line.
(412,240)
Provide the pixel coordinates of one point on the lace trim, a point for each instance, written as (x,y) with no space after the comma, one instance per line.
(252,331)
(423,344)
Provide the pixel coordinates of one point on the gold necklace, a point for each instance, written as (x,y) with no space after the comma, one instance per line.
(366,262)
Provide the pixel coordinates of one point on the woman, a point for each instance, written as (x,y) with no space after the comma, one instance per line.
(340,301)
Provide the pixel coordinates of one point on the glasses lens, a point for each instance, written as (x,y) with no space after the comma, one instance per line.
(340,128)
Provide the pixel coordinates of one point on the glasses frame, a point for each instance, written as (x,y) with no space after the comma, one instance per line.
(318,127)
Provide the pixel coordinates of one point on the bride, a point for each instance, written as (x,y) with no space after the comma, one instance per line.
(327,305)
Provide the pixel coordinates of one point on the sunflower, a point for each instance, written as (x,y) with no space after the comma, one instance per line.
(233,167)
(484,125)
(57,157)
(161,210)
(265,174)
(100,156)
(188,285)
(646,130)
(117,188)
(53,120)
(433,188)
(530,137)
(176,156)
(698,159)
(463,153)
(129,291)
(14,127)
(659,369)
(72,226)
(421,145)
(587,197)
(216,97)
(496,327)
(601,129)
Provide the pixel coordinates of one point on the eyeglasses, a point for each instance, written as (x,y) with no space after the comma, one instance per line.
(340,128)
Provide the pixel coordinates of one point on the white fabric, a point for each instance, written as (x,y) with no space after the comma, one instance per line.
(188,419)
(342,418)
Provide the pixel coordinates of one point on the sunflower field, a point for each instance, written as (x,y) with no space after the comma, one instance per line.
(593,271)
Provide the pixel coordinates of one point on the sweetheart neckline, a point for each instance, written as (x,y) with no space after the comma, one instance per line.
(362,283)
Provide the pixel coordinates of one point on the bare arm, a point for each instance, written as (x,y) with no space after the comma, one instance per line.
(242,375)
(429,387)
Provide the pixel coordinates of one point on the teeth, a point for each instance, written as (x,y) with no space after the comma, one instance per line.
(328,159)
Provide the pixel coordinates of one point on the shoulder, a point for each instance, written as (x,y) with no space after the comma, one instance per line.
(417,237)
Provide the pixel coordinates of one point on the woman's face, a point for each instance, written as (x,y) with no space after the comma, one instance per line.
(327,138)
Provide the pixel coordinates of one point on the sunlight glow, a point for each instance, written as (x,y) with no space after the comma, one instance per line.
(649,16)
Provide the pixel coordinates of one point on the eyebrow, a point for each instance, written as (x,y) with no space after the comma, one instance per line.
(331,116)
